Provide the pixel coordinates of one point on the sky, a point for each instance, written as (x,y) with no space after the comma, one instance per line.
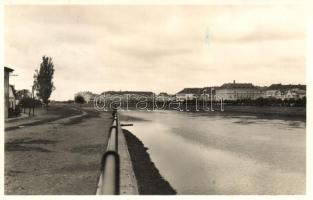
(155,48)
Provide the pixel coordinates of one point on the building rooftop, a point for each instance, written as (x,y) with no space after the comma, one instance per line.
(211,88)
(8,69)
(128,92)
(237,86)
(191,91)
(286,87)
(164,94)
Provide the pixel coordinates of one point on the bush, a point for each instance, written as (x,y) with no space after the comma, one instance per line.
(268,102)
(79,99)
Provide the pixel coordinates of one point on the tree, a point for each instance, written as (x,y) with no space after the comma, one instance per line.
(24,93)
(26,102)
(23,97)
(79,99)
(43,80)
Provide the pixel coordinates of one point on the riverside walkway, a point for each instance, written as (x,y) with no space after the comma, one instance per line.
(61,154)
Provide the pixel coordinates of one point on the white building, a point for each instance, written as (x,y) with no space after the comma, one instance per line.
(295,93)
(12,97)
(237,91)
(277,94)
(189,94)
(7,72)
(280,91)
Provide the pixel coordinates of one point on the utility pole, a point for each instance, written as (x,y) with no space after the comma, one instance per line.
(24,95)
(31,103)
(34,86)
(29,109)
(33,100)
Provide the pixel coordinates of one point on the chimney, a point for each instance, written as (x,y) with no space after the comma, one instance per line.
(234,82)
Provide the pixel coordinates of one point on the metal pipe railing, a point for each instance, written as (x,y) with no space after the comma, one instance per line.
(109,181)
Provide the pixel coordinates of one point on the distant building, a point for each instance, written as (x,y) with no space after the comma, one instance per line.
(189,94)
(7,72)
(237,91)
(295,93)
(128,95)
(208,92)
(164,97)
(301,94)
(277,94)
(280,91)
(286,87)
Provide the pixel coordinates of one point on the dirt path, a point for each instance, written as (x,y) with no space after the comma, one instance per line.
(53,114)
(56,157)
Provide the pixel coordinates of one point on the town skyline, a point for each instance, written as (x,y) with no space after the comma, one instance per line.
(245,85)
(156,91)
(100,48)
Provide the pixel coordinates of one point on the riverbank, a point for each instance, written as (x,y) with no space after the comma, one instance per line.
(268,112)
(258,111)
(149,180)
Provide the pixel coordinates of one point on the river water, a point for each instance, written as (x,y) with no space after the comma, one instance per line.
(200,153)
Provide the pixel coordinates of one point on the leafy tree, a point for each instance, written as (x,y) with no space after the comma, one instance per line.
(26,102)
(79,99)
(43,79)
(24,93)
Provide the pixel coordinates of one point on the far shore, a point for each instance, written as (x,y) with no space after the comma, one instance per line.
(266,112)
(291,113)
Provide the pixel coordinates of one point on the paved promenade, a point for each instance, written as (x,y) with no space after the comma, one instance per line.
(59,155)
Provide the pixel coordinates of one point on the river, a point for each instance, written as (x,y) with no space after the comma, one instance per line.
(200,153)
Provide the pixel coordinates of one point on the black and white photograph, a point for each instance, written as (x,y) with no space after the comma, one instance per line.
(156,99)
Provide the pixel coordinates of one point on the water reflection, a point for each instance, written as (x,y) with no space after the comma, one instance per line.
(207,154)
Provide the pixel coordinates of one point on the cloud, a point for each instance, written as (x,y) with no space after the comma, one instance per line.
(153,52)
(245,24)
(158,48)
